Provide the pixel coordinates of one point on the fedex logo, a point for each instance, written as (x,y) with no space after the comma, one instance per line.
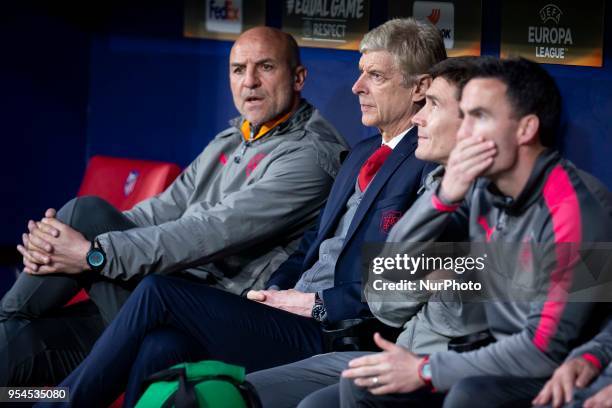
(224,16)
(439,13)
(223,10)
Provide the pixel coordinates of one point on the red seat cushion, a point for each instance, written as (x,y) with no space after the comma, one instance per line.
(124,183)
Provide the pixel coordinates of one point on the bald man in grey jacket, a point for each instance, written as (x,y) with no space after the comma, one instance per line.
(230,219)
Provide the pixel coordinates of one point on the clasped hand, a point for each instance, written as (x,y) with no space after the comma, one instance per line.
(53,247)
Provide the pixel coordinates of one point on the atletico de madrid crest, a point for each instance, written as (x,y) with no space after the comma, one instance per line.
(130,182)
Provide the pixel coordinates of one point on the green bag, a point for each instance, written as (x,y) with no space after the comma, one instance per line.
(203,384)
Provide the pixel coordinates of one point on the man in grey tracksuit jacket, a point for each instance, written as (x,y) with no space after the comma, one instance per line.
(430,320)
(528,311)
(230,219)
(556,210)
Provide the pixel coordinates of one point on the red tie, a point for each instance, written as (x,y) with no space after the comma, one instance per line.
(372,165)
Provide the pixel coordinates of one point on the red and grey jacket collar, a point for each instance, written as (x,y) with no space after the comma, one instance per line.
(545,162)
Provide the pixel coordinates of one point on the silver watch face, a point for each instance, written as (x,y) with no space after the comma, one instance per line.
(319,313)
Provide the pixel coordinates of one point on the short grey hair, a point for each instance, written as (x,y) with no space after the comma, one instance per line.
(415,45)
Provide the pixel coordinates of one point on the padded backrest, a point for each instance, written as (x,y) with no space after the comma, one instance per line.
(125,182)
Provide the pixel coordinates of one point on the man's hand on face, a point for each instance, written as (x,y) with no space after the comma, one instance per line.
(394,370)
(58,247)
(559,390)
(602,399)
(468,160)
(289,300)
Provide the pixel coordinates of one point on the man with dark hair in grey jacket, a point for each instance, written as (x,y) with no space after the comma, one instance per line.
(230,219)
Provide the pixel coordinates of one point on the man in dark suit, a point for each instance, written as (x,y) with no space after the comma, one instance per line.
(168,320)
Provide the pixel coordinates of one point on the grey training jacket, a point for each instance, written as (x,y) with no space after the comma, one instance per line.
(546,226)
(237,211)
(429,320)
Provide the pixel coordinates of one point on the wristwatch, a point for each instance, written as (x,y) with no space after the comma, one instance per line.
(425,373)
(319,312)
(96,257)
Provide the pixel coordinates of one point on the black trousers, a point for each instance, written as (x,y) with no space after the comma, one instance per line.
(41,342)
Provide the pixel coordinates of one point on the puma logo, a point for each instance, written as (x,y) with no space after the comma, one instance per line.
(434,17)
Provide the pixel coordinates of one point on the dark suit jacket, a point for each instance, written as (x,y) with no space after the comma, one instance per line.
(389,195)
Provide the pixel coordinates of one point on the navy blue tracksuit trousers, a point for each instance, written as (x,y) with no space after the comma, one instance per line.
(168,320)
